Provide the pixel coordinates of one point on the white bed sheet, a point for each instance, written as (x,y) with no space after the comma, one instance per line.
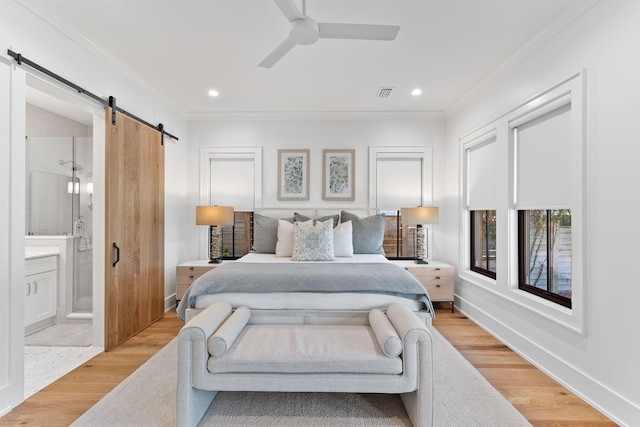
(271,258)
(308,300)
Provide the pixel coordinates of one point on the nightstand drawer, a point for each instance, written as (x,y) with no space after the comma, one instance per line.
(438,281)
(427,271)
(439,288)
(436,277)
(188,272)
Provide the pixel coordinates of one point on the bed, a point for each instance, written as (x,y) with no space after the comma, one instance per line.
(295,275)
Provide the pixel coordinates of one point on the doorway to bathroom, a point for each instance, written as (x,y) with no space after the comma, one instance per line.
(59,237)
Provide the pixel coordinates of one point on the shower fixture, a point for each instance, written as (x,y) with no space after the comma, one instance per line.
(74,166)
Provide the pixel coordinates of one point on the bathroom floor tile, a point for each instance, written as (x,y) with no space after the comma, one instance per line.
(43,365)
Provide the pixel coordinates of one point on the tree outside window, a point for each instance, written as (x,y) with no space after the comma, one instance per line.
(483,242)
(545,253)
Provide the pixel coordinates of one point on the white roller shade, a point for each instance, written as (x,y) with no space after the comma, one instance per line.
(233,182)
(399,182)
(543,160)
(481,175)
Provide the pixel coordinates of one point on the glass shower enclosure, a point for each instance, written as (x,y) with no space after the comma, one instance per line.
(59,204)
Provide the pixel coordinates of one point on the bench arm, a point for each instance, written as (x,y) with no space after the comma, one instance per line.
(210,319)
(418,354)
(192,403)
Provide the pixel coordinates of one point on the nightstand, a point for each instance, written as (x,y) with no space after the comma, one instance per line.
(436,277)
(189,271)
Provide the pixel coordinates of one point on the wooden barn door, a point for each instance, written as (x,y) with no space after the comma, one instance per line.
(134,235)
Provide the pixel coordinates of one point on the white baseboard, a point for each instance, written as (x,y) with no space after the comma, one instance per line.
(611,404)
(170,302)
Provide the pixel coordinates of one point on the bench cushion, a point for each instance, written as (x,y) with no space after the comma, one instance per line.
(305,349)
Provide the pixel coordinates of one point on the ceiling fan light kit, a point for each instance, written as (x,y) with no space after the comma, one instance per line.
(305,31)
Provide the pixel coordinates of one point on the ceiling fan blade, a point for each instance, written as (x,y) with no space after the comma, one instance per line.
(289,9)
(358,31)
(278,53)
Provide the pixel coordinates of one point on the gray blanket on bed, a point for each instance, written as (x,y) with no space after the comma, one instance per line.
(306,277)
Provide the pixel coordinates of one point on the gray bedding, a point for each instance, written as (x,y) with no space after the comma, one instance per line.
(385,278)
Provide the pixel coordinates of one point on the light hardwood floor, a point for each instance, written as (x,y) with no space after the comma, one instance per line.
(542,400)
(539,398)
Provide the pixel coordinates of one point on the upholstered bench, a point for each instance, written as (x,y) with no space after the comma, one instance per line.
(225,350)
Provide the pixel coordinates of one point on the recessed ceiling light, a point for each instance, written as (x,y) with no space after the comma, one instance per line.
(213,93)
(416,92)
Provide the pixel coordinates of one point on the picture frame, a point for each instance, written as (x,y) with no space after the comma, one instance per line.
(338,174)
(293,174)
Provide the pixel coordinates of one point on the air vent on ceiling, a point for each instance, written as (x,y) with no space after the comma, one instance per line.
(384,92)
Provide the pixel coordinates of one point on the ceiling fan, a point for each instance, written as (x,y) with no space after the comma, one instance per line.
(305,30)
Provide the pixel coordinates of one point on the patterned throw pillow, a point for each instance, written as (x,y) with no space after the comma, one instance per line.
(313,242)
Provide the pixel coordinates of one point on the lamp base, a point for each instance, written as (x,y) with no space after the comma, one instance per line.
(215,244)
(421,261)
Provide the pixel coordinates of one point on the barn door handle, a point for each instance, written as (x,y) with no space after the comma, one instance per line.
(117,254)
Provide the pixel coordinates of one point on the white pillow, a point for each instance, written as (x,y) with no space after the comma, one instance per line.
(343,240)
(284,244)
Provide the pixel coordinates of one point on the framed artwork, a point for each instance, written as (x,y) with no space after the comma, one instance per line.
(293,174)
(338,174)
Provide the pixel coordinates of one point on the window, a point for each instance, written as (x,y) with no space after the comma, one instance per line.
(400,177)
(544,254)
(529,165)
(237,239)
(543,154)
(399,240)
(230,176)
(481,163)
(483,242)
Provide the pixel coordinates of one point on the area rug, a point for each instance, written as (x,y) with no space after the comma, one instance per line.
(148,398)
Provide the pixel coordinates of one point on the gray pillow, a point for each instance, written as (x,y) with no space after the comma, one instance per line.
(265,233)
(368,233)
(302,218)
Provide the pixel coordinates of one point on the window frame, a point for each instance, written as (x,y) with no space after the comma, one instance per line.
(472,243)
(523,260)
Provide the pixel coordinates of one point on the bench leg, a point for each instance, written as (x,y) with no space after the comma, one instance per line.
(192,405)
(419,408)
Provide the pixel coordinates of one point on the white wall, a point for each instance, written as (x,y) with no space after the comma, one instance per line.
(317,133)
(601,366)
(67,54)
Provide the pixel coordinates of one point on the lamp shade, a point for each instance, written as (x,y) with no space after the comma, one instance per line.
(420,215)
(214,215)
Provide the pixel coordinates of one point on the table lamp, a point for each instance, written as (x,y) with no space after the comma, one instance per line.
(215,217)
(418,216)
